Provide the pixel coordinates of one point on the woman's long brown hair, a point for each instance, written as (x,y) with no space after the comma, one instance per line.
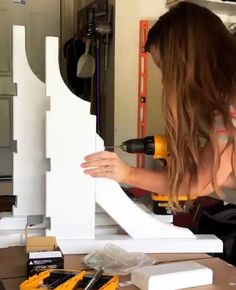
(198,63)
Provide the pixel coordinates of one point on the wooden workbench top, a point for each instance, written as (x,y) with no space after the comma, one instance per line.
(13,268)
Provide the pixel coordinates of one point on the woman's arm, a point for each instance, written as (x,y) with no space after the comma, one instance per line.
(153,181)
(108,164)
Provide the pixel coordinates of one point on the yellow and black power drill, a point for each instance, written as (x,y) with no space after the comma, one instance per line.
(150,145)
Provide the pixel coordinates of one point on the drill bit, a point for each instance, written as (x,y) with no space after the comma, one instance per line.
(113,147)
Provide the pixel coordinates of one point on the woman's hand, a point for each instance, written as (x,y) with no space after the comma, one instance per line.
(106,164)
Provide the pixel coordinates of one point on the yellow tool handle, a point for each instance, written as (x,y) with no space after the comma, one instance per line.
(161,150)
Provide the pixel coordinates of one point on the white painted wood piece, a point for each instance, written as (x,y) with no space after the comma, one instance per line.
(29,162)
(70,135)
(29,107)
(70,201)
(201,244)
(172,276)
(13,227)
(135,221)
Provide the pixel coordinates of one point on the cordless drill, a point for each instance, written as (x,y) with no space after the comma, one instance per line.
(150,145)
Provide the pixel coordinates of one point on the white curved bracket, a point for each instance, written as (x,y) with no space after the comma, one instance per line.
(29,107)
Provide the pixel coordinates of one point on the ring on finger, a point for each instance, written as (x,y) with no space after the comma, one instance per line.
(107,167)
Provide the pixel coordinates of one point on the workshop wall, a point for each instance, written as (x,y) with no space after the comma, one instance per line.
(128,15)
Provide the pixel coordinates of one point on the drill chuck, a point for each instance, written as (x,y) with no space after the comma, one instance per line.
(150,145)
(145,145)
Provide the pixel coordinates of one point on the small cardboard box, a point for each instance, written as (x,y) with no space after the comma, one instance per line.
(43,253)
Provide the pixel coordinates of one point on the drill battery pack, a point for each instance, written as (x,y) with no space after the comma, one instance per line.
(160,203)
(69,280)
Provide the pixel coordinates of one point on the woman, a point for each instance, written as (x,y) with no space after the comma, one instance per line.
(197,57)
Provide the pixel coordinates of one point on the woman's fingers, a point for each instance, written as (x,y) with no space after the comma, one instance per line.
(100,155)
(106,164)
(95,172)
(98,159)
(96,163)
